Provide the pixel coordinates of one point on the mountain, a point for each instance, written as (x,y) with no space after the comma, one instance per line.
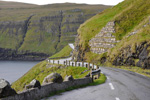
(32,32)
(118,36)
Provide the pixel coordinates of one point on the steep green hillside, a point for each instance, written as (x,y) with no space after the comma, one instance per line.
(65,52)
(132,19)
(30,30)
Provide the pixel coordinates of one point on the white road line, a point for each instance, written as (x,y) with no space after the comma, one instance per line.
(117,98)
(71,45)
(111,86)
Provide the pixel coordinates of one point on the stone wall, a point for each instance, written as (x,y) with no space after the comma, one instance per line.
(46,90)
(103,40)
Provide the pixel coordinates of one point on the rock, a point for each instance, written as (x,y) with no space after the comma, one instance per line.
(69,78)
(53,77)
(130,61)
(103,60)
(144,60)
(5,89)
(88,75)
(33,84)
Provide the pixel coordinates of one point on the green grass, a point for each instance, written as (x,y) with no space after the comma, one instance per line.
(42,36)
(128,15)
(138,11)
(41,70)
(132,41)
(63,53)
(93,26)
(101,80)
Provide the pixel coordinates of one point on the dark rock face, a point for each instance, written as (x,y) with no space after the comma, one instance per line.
(33,84)
(144,59)
(77,53)
(5,89)
(53,77)
(9,54)
(103,60)
(128,57)
(69,78)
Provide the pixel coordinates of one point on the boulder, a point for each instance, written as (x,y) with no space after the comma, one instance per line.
(33,84)
(5,89)
(53,77)
(69,78)
(88,75)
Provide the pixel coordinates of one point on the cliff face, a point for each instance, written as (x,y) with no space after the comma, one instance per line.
(140,57)
(39,31)
(124,42)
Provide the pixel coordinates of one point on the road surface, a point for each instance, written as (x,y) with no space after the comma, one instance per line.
(120,85)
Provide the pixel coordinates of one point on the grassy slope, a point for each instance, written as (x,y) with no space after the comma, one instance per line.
(63,53)
(37,39)
(127,15)
(142,36)
(41,70)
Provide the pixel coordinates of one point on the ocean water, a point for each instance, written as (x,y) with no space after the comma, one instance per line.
(13,70)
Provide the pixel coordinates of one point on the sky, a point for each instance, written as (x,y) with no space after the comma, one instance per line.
(42,2)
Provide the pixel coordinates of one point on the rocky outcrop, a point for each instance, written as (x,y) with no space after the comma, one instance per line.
(69,78)
(33,84)
(53,77)
(5,89)
(140,57)
(103,40)
(77,52)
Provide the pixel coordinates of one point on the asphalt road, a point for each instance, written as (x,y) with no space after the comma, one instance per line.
(120,85)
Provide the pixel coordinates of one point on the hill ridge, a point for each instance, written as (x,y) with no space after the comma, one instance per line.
(133,48)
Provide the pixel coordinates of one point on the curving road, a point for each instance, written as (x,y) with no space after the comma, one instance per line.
(120,85)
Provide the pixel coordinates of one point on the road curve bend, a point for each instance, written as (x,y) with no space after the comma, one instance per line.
(120,85)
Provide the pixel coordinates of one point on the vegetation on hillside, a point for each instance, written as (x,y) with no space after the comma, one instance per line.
(41,70)
(130,16)
(46,29)
(65,52)
(127,16)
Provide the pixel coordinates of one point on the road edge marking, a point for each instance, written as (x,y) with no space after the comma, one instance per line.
(111,86)
(117,98)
